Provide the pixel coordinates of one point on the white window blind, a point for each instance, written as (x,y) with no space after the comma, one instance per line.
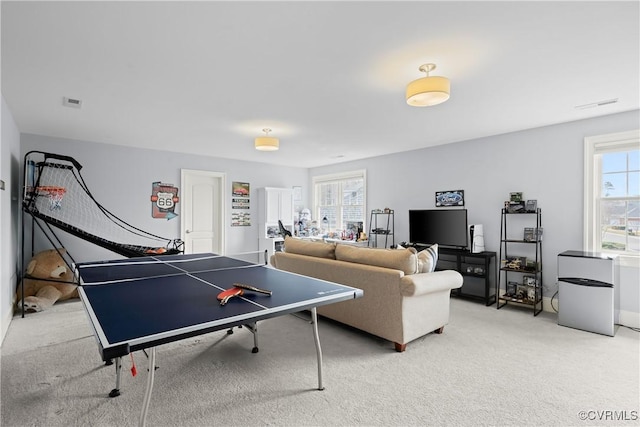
(340,199)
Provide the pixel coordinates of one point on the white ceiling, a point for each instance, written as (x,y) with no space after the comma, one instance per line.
(328,77)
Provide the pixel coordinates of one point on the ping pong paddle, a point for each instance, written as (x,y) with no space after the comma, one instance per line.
(225,296)
(252,288)
(237,291)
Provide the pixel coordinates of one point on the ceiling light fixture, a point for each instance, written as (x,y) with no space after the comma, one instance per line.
(428,91)
(267,143)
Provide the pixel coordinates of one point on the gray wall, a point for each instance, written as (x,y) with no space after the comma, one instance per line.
(121,179)
(544,163)
(9,161)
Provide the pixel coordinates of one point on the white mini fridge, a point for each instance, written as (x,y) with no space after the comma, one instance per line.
(588,296)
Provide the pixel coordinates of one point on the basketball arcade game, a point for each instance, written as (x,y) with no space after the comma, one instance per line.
(55,195)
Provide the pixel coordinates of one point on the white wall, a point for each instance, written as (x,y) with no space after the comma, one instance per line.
(9,153)
(544,163)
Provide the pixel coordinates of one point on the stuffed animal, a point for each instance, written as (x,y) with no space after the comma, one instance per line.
(42,294)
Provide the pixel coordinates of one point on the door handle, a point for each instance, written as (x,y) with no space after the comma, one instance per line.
(187,231)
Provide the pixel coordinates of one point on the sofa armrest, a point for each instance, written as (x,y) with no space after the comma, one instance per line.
(426,283)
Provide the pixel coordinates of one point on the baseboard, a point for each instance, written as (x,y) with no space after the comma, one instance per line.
(546,305)
(629,318)
(6,321)
(626,318)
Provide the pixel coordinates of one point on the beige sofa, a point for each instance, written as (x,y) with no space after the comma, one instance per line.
(399,304)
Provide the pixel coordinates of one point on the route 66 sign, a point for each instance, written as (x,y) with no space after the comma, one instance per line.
(163,200)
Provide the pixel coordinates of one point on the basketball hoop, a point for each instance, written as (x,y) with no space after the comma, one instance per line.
(55,194)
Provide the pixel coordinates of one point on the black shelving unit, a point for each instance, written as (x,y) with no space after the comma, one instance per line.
(520,278)
(478,271)
(381,224)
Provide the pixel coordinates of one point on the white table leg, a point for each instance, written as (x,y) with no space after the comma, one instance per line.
(316,337)
(147,394)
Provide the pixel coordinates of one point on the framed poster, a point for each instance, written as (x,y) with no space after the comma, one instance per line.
(163,200)
(449,198)
(240,189)
(240,216)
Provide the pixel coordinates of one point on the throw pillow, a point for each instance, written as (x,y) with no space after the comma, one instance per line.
(427,259)
(404,260)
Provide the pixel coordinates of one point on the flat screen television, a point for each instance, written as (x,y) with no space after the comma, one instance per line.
(446,227)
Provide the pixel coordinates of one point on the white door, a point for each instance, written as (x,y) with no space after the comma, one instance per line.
(202,211)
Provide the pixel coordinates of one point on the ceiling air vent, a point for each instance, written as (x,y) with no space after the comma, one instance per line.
(596,104)
(70,102)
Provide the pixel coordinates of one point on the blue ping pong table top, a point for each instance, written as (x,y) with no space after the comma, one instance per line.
(142,302)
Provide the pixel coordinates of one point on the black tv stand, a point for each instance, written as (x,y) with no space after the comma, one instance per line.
(479,272)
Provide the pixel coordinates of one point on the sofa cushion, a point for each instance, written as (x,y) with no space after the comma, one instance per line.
(427,259)
(404,260)
(309,248)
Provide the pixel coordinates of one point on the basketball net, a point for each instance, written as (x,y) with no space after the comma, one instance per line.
(55,194)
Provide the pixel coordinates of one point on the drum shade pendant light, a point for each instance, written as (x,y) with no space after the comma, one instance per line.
(267,143)
(428,91)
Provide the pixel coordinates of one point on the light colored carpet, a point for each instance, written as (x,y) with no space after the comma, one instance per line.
(489,367)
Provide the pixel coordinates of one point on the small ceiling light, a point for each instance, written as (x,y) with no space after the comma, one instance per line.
(428,91)
(267,143)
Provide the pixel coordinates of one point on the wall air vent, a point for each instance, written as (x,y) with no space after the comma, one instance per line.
(71,102)
(596,104)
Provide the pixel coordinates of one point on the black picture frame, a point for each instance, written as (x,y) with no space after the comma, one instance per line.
(449,198)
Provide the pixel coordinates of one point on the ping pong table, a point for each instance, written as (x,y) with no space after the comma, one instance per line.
(141,303)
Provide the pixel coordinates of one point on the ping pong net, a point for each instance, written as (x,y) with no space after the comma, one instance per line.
(149,268)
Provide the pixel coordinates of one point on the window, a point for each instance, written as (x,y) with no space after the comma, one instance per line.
(612,193)
(340,198)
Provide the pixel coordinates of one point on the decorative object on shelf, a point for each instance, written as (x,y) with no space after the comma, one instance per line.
(531,205)
(449,198)
(515,207)
(428,91)
(267,143)
(354,230)
(516,204)
(515,196)
(529,234)
(514,263)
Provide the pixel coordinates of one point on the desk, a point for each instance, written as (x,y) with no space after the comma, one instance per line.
(332,240)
